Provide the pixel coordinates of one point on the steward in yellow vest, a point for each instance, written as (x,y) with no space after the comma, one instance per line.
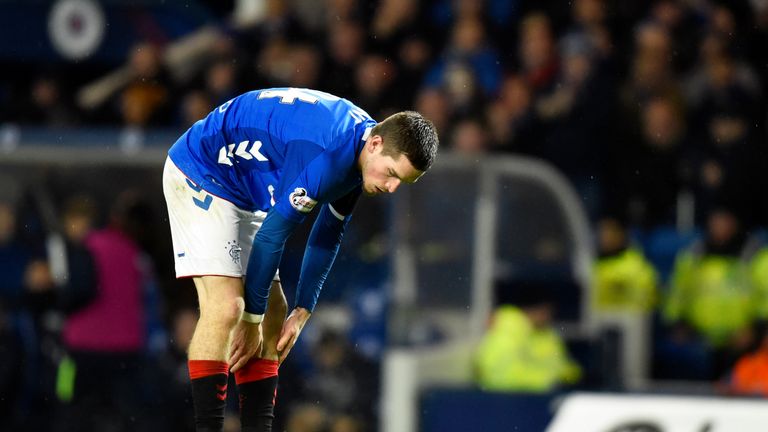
(522,351)
(624,280)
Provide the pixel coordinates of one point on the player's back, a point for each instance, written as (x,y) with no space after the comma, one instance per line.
(243,149)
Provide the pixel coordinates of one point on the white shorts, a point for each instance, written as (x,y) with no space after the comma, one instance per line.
(211,236)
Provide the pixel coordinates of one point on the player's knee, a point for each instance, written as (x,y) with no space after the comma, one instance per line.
(234,311)
(225,313)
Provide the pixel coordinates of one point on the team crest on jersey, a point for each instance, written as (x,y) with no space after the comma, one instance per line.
(301,202)
(234,251)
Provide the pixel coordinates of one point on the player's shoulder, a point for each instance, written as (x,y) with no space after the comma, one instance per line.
(318,116)
(318,104)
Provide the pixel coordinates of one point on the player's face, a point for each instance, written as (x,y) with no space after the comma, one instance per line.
(383,173)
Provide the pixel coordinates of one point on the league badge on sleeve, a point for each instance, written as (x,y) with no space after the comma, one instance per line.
(301,202)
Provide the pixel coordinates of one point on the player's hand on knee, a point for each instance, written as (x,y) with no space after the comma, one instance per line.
(246,342)
(291,329)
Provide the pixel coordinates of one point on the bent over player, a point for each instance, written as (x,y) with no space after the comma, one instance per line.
(237,183)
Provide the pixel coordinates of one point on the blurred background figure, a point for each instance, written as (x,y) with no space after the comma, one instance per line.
(146,99)
(749,376)
(470,137)
(105,339)
(522,351)
(537,51)
(342,382)
(652,169)
(712,299)
(168,377)
(375,90)
(14,260)
(195,106)
(346,45)
(48,105)
(624,280)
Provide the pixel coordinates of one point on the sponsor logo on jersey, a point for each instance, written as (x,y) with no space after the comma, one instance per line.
(301,202)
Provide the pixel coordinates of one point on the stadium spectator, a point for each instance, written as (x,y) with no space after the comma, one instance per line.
(169,396)
(576,114)
(590,17)
(14,260)
(432,103)
(521,350)
(375,86)
(726,161)
(27,293)
(306,65)
(342,381)
(222,81)
(105,339)
(194,105)
(46,105)
(468,49)
(538,57)
(513,123)
(680,22)
(147,99)
(289,65)
(624,280)
(414,57)
(651,73)
(717,68)
(749,376)
(648,171)
(267,23)
(758,269)
(711,294)
(307,418)
(345,48)
(393,21)
(469,138)
(79,287)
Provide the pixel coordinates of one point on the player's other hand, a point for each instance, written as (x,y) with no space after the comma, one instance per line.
(291,330)
(246,341)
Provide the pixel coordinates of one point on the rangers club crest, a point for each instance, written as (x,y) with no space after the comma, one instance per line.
(301,202)
(234,251)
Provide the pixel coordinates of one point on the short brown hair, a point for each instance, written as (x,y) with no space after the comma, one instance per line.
(409,133)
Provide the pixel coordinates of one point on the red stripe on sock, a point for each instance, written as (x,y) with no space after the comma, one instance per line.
(255,370)
(204,368)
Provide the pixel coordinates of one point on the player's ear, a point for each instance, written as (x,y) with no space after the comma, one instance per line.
(375,142)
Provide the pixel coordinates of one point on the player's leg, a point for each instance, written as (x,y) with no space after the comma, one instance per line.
(257,380)
(221,306)
(205,231)
(277,311)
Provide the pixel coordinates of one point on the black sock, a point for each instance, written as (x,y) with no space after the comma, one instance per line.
(209,393)
(257,404)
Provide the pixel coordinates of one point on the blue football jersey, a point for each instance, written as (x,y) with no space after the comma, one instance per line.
(284,147)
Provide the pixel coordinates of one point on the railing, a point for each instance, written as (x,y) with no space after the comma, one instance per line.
(466,223)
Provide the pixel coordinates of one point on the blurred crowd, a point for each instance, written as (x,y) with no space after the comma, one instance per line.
(641,105)
(653,110)
(92,335)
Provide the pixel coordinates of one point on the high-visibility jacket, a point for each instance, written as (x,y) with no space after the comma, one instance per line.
(712,293)
(624,282)
(515,356)
(758,270)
